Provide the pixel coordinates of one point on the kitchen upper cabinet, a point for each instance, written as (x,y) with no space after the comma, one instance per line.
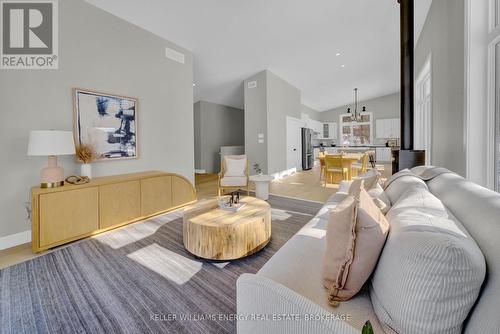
(330,130)
(387,128)
(317,127)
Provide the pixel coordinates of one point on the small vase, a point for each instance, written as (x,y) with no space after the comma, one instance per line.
(86,170)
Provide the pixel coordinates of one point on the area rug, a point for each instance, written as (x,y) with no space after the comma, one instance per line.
(136,279)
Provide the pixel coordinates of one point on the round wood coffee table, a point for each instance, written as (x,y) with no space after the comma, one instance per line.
(216,234)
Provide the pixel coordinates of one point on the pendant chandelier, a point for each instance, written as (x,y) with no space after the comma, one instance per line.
(357,115)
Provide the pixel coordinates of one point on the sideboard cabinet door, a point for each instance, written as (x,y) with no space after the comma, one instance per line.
(156,195)
(66,215)
(120,203)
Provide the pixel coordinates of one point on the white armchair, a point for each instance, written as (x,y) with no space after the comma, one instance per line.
(234,173)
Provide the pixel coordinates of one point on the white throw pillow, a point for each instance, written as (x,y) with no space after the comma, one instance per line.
(431,270)
(380,198)
(371,178)
(235,167)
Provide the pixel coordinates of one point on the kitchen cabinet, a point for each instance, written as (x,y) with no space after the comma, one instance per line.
(329,130)
(388,128)
(316,151)
(383,154)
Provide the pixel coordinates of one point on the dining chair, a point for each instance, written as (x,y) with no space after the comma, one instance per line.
(321,157)
(334,165)
(362,166)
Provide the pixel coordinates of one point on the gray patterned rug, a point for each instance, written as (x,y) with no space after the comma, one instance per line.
(137,279)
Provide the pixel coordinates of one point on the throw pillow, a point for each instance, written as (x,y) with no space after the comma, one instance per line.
(340,236)
(355,251)
(355,188)
(371,178)
(235,167)
(380,198)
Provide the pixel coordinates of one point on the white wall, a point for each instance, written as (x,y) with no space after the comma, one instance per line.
(101,52)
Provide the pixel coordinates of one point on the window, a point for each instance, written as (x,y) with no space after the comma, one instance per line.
(494,92)
(423,111)
(496,63)
(496,13)
(356,133)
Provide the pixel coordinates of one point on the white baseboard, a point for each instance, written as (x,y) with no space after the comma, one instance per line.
(15,239)
(200,171)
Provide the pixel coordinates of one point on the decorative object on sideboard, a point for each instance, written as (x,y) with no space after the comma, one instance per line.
(51,143)
(74,179)
(257,169)
(108,122)
(85,154)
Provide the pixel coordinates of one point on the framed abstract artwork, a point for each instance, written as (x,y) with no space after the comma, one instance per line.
(108,123)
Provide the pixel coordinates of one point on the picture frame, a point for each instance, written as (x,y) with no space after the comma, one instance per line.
(106,122)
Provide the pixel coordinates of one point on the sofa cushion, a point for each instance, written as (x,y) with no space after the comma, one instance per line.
(298,264)
(234,181)
(478,209)
(400,184)
(352,251)
(430,271)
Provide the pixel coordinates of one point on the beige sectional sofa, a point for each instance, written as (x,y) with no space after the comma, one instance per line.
(459,218)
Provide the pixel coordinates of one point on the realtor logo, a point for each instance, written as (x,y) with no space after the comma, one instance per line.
(29,35)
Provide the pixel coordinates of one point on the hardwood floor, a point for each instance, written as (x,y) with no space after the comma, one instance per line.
(304,185)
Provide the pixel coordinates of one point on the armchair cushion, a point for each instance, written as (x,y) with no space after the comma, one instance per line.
(235,166)
(233,181)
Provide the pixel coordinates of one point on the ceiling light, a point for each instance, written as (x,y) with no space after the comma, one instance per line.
(343,65)
(337,54)
(194,84)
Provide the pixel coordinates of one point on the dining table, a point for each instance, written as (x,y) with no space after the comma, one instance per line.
(348,160)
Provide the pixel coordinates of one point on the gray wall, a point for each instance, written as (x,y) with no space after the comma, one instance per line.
(101,52)
(215,126)
(443,38)
(266,109)
(283,100)
(387,106)
(313,113)
(256,120)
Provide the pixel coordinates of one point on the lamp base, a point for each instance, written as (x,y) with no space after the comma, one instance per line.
(52,184)
(52,176)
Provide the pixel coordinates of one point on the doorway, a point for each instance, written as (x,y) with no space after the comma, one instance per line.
(294,143)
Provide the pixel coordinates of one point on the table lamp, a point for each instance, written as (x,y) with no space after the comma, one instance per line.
(51,143)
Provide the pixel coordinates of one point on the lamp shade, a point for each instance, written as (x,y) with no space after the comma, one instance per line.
(51,142)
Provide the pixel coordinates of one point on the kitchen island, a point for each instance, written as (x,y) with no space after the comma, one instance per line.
(382,153)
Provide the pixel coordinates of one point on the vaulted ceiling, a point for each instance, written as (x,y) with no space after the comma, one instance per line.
(323,47)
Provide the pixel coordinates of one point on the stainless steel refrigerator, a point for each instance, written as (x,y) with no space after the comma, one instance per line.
(307,149)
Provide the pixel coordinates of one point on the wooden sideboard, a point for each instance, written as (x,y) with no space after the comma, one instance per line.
(72,212)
